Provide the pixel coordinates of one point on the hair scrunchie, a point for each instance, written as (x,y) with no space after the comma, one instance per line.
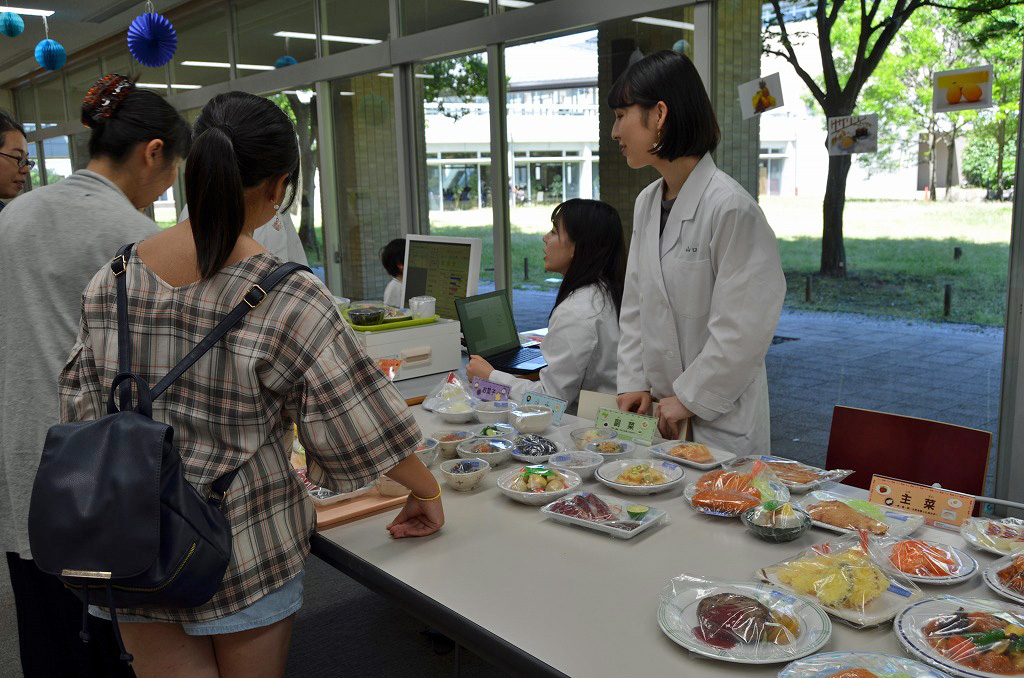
(105,96)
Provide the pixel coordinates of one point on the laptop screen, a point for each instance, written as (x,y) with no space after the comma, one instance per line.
(487,323)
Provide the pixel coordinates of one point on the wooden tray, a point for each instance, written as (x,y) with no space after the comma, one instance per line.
(353,509)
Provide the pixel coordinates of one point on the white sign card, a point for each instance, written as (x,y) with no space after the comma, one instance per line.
(758,96)
(962,90)
(852,134)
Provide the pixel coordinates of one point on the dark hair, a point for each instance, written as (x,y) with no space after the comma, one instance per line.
(241,141)
(392,255)
(8,124)
(600,255)
(121,116)
(691,127)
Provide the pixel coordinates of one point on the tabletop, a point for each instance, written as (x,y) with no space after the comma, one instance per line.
(580,602)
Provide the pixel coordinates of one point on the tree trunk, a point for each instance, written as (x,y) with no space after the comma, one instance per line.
(950,158)
(1000,140)
(833,252)
(931,162)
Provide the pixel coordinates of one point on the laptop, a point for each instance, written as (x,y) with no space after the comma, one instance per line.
(490,331)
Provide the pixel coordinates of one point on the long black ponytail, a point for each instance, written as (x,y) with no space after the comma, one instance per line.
(599,257)
(241,140)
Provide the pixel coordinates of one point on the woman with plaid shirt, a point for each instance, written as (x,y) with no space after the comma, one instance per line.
(292,360)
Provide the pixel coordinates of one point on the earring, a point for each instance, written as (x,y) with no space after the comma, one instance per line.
(277,217)
(657,141)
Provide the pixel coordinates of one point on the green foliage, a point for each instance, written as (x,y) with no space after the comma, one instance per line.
(981,157)
(462,79)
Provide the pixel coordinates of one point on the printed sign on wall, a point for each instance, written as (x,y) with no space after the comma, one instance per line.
(963,89)
(758,96)
(852,134)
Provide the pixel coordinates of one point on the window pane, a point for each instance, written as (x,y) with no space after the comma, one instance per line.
(366,164)
(348,24)
(51,100)
(79,82)
(269,30)
(58,159)
(202,55)
(25,103)
(457,136)
(423,15)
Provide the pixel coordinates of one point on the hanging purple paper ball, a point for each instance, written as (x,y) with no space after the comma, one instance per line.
(285,60)
(11,24)
(152,40)
(51,54)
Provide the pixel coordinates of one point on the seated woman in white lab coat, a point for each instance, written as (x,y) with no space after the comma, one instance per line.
(585,244)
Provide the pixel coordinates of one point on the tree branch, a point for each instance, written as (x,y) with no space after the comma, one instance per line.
(790,56)
(973,9)
(828,64)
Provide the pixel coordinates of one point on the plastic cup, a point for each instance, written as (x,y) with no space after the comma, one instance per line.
(422,307)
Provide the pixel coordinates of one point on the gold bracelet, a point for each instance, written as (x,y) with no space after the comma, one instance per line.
(434,498)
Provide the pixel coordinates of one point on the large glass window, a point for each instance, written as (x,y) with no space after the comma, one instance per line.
(347,25)
(424,15)
(50,92)
(79,80)
(269,30)
(365,157)
(25,103)
(202,55)
(457,134)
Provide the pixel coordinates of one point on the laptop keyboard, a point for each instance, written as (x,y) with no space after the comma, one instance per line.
(524,356)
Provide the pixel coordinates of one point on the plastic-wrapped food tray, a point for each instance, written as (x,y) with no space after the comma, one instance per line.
(899,524)
(655,516)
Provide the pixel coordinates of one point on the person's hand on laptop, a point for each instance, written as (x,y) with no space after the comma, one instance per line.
(478,367)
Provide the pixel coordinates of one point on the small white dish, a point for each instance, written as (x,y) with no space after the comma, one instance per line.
(495,451)
(589,434)
(991,577)
(661,452)
(612,449)
(609,473)
(448,441)
(427,451)
(491,431)
(581,462)
(528,442)
(467,479)
(531,418)
(456,412)
(494,411)
(507,481)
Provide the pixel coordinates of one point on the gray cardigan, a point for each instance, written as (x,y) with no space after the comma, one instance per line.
(52,242)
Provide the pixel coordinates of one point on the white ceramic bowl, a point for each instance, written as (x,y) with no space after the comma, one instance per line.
(464,482)
(449,440)
(530,418)
(494,412)
(534,459)
(498,450)
(580,462)
(608,473)
(458,412)
(582,436)
(506,481)
(492,431)
(624,449)
(427,450)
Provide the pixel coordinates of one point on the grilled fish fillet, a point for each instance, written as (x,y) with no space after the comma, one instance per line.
(839,514)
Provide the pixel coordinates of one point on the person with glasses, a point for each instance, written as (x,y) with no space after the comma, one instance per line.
(13,171)
(52,240)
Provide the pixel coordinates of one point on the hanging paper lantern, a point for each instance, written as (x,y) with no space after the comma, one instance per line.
(285,60)
(11,24)
(681,47)
(50,54)
(152,40)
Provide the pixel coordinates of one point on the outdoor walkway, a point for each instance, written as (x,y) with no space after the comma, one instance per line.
(939,371)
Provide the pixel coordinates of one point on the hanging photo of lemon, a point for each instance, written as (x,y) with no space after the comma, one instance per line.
(966,88)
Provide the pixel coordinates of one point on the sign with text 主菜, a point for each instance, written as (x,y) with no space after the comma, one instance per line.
(628,425)
(940,507)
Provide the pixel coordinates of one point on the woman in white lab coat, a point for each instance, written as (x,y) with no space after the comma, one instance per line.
(585,245)
(704,283)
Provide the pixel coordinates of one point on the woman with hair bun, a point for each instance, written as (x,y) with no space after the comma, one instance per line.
(52,240)
(704,283)
(292,362)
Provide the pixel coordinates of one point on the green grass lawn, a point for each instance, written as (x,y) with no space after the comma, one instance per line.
(899,255)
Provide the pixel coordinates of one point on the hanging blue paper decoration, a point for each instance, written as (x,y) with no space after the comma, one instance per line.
(11,24)
(681,47)
(285,60)
(152,39)
(51,54)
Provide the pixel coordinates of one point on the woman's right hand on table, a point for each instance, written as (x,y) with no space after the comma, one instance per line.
(418,518)
(634,401)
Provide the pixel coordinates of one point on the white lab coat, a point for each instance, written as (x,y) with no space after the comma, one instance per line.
(580,348)
(283,244)
(393,294)
(701,305)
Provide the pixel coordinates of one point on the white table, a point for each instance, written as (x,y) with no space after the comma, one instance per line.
(541,598)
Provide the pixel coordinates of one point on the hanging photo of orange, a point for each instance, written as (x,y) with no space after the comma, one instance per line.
(964,89)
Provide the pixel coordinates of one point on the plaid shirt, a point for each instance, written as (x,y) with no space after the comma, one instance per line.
(292,359)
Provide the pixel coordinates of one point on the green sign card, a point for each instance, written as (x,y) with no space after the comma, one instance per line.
(629,425)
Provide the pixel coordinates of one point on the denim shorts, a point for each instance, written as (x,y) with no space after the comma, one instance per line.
(269,609)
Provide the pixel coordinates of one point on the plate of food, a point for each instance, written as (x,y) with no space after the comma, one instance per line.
(730,493)
(843,514)
(858,665)
(742,622)
(536,485)
(1006,577)
(798,477)
(1001,537)
(846,580)
(534,449)
(322,496)
(640,476)
(602,513)
(968,637)
(697,455)
(928,562)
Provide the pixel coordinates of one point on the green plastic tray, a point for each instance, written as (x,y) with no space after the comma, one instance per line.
(383,327)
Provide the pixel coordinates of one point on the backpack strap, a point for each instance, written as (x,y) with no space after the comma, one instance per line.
(119,266)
